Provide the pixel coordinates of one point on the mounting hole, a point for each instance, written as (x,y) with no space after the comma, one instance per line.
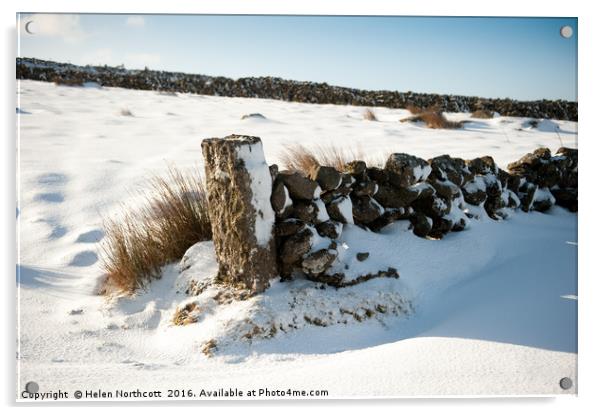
(566,32)
(32,387)
(29,27)
(566,383)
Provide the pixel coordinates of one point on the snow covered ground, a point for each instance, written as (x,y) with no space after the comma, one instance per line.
(494,307)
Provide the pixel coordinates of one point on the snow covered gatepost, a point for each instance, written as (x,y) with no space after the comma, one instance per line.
(239,186)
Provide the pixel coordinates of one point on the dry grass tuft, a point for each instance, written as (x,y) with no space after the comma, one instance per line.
(433,119)
(173,218)
(303,159)
(208,348)
(483,114)
(369,115)
(167,93)
(188,314)
(415,110)
(68,81)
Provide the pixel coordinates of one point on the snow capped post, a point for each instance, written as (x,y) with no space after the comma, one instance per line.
(239,186)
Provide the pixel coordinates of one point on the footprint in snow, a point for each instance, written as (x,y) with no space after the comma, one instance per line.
(54,197)
(89,237)
(84,259)
(56,229)
(57,232)
(85,333)
(141,365)
(52,178)
(148,366)
(109,347)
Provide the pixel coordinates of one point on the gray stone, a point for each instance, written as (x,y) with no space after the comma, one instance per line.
(296,246)
(366,210)
(543,203)
(346,181)
(474,197)
(255,115)
(447,188)
(318,262)
(243,260)
(421,224)
(306,211)
(459,225)
(299,187)
(513,183)
(289,227)
(334,209)
(379,175)
(364,188)
(362,256)
(327,177)
(278,198)
(390,216)
(393,197)
(329,196)
(567,198)
(355,168)
(405,170)
(432,206)
(526,195)
(328,229)
(441,226)
(482,165)
(274,171)
(452,169)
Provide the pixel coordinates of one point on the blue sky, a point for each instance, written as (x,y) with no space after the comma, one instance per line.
(521,58)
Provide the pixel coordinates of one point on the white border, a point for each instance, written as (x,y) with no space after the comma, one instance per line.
(590,137)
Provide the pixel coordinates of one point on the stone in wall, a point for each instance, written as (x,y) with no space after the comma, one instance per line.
(405,170)
(239,188)
(547,179)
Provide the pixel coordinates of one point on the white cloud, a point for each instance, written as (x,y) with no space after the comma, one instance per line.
(65,26)
(135,21)
(140,60)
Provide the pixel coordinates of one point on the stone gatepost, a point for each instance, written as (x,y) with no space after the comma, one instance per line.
(239,186)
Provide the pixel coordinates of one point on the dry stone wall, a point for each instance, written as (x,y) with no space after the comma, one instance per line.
(311,209)
(433,195)
(283,89)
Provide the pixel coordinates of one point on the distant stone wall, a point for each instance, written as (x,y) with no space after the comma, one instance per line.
(282,89)
(435,196)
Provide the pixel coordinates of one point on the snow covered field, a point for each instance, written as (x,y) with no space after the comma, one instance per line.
(495,307)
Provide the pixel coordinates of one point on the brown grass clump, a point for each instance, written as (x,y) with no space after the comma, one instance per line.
(369,115)
(188,314)
(303,159)
(415,110)
(483,114)
(67,81)
(433,119)
(209,347)
(173,218)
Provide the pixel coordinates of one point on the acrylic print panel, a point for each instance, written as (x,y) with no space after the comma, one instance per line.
(269,207)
